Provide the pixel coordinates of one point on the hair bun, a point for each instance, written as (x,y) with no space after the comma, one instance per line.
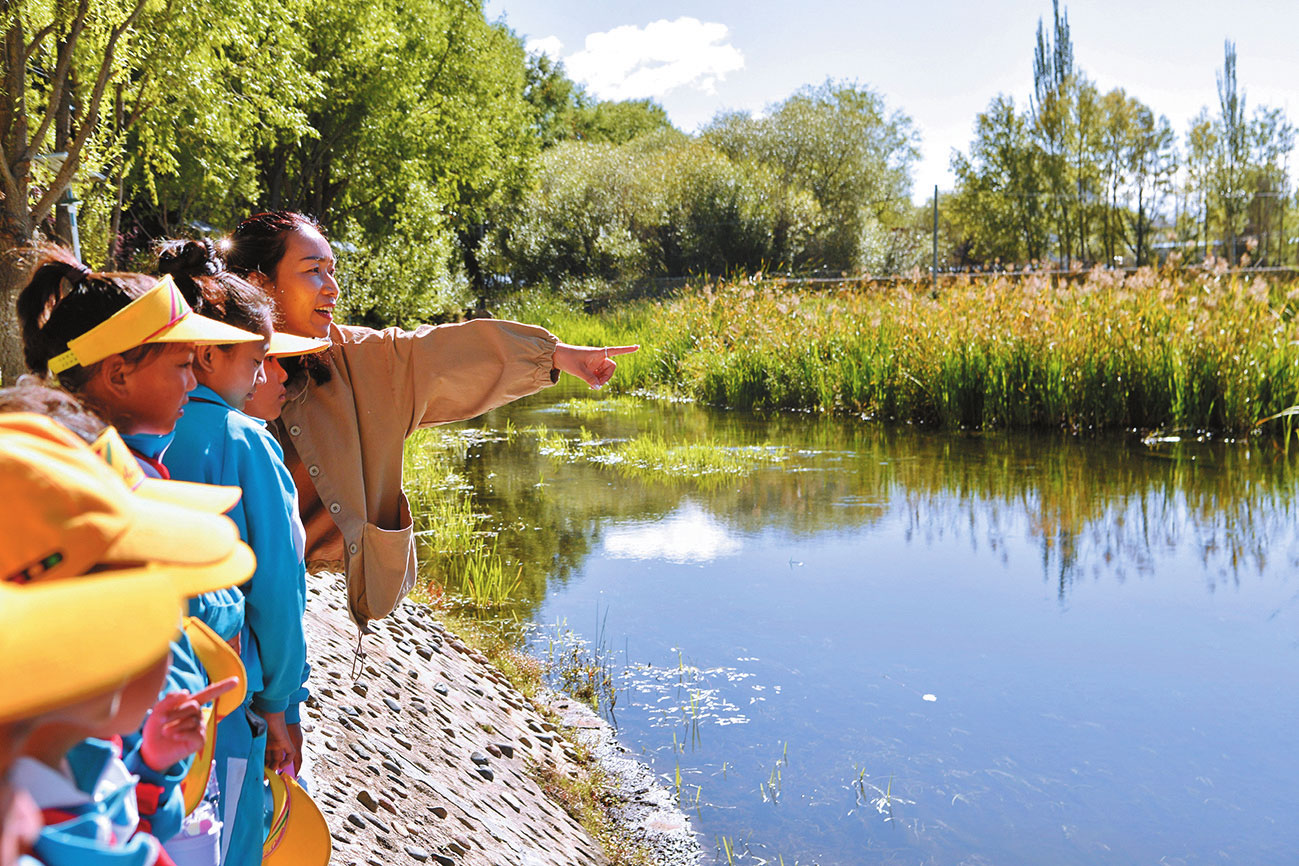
(190,259)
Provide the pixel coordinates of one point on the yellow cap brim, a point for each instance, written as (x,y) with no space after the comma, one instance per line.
(64,641)
(231,570)
(203,331)
(288,345)
(299,834)
(202,552)
(220,661)
(208,498)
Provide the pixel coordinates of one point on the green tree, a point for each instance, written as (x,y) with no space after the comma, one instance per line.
(840,143)
(60,61)
(1000,203)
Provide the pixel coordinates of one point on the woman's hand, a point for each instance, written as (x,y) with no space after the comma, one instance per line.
(593,365)
(280,752)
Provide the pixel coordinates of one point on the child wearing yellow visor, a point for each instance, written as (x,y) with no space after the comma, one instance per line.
(217,443)
(123,343)
(88,519)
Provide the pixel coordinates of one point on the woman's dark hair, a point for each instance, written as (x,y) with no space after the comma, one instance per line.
(212,290)
(258,243)
(64,299)
(30,394)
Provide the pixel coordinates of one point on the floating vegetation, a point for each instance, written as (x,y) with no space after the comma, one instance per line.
(613,404)
(653,457)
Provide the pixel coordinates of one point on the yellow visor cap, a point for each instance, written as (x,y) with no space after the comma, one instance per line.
(209,498)
(299,835)
(72,513)
(220,662)
(160,315)
(65,641)
(288,345)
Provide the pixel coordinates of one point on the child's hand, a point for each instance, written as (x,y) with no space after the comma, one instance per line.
(281,754)
(175,729)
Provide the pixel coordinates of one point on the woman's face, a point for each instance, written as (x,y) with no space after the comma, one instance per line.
(268,398)
(234,371)
(304,287)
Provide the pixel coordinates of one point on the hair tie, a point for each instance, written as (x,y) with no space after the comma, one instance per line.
(82,272)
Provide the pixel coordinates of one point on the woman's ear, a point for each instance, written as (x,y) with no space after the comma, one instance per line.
(260,280)
(203,360)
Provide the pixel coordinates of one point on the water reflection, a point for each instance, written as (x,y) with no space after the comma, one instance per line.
(1106,630)
(1231,503)
(688,534)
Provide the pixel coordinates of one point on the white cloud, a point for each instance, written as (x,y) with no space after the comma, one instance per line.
(547,45)
(634,63)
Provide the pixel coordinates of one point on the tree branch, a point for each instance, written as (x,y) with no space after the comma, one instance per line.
(60,81)
(36,41)
(89,122)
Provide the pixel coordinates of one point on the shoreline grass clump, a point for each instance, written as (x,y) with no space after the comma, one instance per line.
(1195,350)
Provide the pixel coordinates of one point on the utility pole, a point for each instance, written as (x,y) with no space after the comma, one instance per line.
(935,289)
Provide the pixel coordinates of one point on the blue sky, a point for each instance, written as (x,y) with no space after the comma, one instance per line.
(939,61)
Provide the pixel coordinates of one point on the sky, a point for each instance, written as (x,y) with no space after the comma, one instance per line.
(940,62)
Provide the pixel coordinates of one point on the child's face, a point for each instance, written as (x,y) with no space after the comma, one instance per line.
(153,393)
(233,371)
(138,697)
(268,397)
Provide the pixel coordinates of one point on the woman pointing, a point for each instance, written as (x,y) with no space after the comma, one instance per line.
(348,411)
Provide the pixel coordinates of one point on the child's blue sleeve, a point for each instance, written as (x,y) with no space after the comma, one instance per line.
(275,597)
(158,796)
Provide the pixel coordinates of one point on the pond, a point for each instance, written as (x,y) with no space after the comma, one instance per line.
(874,645)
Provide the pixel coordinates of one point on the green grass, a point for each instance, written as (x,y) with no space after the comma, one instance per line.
(1199,350)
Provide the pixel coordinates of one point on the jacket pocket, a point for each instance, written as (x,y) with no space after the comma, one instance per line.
(388,561)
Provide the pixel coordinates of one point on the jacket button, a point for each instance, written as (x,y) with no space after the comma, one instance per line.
(334,508)
(313,470)
(295,430)
(352,548)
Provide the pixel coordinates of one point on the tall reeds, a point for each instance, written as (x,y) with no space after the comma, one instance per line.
(1200,350)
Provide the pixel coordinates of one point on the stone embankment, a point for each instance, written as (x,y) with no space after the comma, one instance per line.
(422,752)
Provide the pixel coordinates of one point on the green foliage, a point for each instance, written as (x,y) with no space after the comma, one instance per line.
(564,112)
(661,205)
(838,143)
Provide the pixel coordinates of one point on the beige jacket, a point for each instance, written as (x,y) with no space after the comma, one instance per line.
(343,439)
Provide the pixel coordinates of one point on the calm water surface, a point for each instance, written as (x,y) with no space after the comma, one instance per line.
(892,646)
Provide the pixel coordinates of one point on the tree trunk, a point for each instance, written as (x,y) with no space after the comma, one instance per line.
(13,274)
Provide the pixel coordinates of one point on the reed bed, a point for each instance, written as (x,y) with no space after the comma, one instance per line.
(1193,350)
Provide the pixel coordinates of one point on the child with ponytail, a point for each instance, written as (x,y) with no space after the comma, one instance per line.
(122,343)
(216,442)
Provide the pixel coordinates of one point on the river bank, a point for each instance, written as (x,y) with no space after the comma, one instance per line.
(422,752)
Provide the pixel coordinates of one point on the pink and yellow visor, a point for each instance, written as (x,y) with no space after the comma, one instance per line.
(160,315)
(284,345)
